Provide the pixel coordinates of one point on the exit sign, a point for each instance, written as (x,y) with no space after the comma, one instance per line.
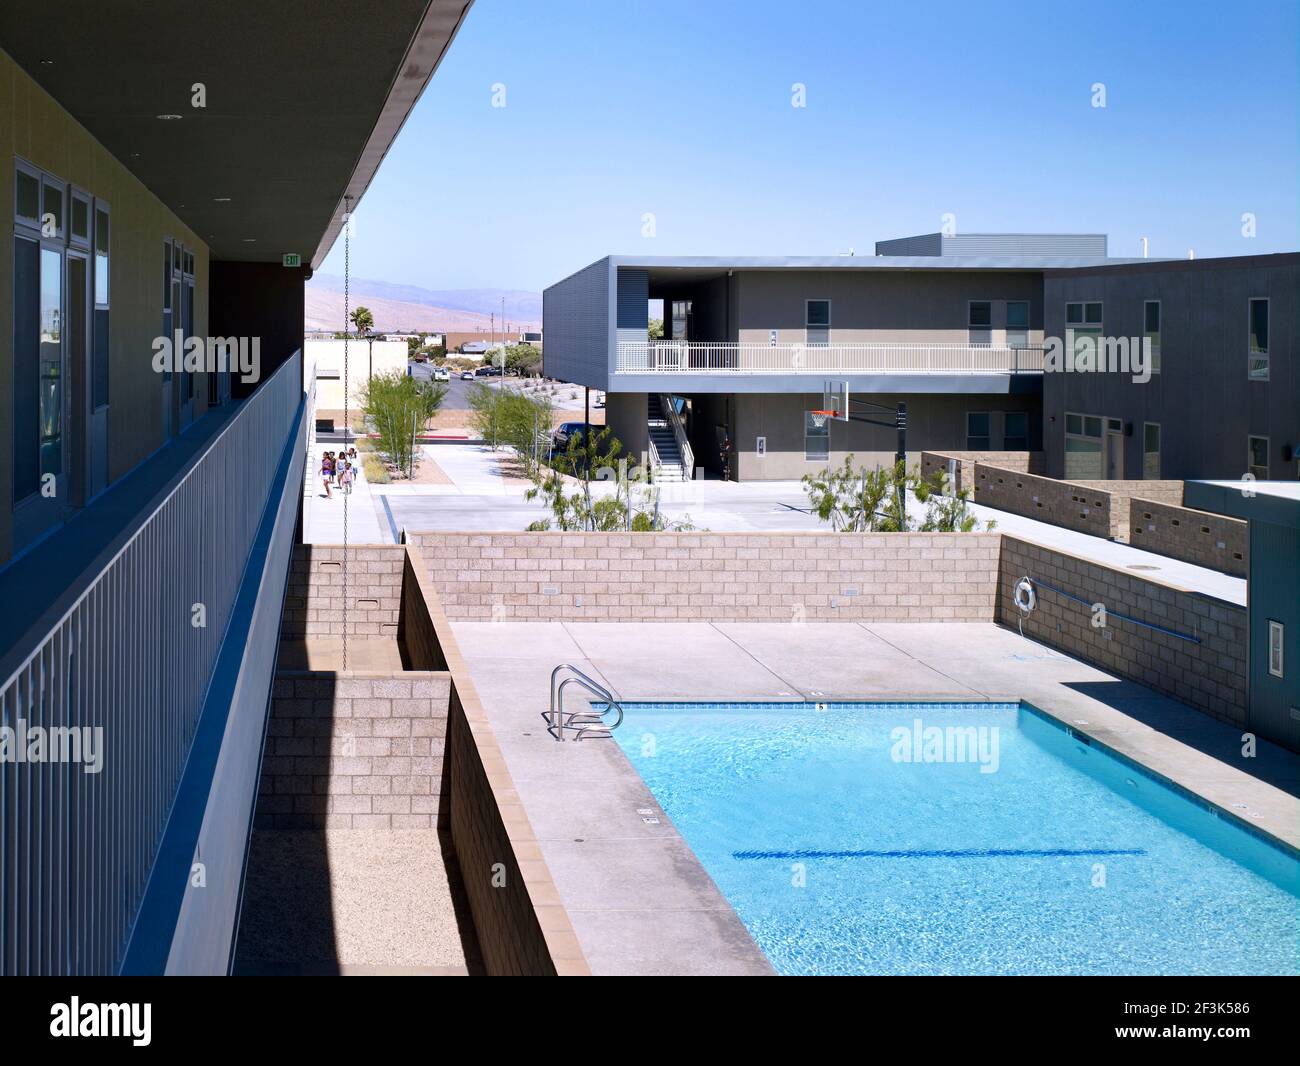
(292,259)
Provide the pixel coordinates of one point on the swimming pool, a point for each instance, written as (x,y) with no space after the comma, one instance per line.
(959,838)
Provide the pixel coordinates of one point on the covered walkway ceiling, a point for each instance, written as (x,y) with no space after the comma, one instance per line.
(303,101)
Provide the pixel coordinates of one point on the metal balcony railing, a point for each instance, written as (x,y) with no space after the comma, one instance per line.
(709,357)
(131,658)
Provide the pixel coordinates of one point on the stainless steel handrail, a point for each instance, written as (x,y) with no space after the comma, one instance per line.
(557,723)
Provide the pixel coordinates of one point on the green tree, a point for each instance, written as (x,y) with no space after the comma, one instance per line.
(363,320)
(871,500)
(396,406)
(566,487)
(656,330)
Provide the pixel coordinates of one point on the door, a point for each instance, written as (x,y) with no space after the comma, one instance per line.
(1114,450)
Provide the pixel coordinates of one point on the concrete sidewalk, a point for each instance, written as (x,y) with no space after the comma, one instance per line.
(323,523)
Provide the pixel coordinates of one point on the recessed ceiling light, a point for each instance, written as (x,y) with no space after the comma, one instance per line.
(47,62)
(170,118)
(250,240)
(221,199)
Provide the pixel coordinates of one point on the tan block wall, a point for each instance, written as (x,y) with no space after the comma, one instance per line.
(1020,462)
(715,577)
(1122,492)
(313,605)
(354,751)
(1209,675)
(1199,537)
(1062,503)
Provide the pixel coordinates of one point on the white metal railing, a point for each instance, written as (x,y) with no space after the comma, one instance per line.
(709,357)
(679,434)
(129,658)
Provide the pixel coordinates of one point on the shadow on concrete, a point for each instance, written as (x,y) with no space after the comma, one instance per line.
(1271,764)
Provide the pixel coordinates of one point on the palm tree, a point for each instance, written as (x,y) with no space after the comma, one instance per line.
(363,320)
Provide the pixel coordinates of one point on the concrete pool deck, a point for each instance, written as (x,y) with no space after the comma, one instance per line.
(640,901)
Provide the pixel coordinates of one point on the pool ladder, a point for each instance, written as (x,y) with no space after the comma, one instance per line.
(588,720)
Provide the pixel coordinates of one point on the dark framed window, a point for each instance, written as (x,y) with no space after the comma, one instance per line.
(1015,431)
(979,431)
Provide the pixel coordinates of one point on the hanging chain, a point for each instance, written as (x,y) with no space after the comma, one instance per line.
(347,384)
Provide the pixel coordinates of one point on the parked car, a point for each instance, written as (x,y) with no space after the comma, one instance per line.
(467,375)
(566,431)
(489,371)
(441,373)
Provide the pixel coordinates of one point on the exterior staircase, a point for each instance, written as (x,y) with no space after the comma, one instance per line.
(670,466)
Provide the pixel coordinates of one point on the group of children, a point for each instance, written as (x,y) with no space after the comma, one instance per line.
(337,469)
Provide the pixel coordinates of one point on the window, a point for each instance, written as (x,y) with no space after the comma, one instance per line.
(1083,447)
(979,322)
(1151,451)
(1151,331)
(816,439)
(1085,320)
(100,325)
(1015,431)
(1276,631)
(979,436)
(1257,457)
(1017,323)
(50,374)
(1258,360)
(27,196)
(79,226)
(817,321)
(51,208)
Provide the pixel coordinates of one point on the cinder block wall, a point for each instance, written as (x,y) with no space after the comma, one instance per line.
(1208,673)
(1100,508)
(313,605)
(1199,537)
(1122,492)
(1062,503)
(715,577)
(354,751)
(1020,462)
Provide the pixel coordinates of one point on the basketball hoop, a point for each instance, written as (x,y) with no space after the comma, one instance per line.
(819,417)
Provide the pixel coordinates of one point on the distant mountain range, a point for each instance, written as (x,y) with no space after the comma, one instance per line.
(402,307)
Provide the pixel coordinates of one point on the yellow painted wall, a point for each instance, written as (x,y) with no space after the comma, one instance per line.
(34,127)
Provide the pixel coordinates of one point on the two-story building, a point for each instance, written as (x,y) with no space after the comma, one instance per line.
(953,326)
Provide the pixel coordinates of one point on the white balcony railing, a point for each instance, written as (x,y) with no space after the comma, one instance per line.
(127,660)
(709,357)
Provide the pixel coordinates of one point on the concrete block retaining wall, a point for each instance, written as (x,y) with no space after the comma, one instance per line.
(1199,537)
(354,751)
(313,604)
(1208,672)
(1021,462)
(715,577)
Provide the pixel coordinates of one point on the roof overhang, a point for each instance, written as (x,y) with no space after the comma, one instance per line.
(302,103)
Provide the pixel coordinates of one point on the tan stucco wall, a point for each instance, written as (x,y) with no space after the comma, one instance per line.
(882,307)
(35,128)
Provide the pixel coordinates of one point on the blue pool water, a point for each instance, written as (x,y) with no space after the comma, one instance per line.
(1042,855)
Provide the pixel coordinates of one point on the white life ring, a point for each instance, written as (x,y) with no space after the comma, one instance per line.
(1025,597)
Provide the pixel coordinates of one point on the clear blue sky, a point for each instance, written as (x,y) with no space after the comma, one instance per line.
(683,108)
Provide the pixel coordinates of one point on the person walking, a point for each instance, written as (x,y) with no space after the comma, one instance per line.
(346,478)
(327,473)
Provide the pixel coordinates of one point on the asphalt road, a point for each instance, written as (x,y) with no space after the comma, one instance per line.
(457,391)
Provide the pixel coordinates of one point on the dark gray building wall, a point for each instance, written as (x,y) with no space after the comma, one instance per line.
(578,324)
(1202,398)
(1275,596)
